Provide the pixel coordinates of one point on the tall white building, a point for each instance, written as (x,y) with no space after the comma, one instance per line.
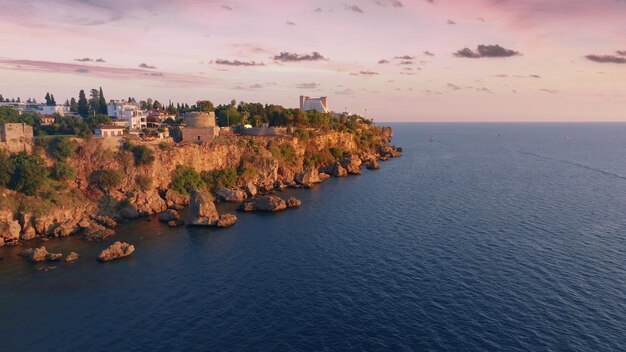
(318,104)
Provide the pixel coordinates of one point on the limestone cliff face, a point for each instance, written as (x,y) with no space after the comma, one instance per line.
(143,189)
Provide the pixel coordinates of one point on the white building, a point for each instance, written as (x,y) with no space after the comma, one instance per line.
(136,118)
(54,109)
(108,131)
(318,104)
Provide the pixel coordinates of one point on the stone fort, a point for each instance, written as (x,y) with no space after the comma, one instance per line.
(200,127)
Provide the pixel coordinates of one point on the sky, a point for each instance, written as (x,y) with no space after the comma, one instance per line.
(393,60)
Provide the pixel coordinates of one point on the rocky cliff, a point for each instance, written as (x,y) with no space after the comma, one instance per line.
(109,183)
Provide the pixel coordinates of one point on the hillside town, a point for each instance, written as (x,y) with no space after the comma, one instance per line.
(150,120)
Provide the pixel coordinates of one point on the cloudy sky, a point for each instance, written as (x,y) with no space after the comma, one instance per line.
(402,60)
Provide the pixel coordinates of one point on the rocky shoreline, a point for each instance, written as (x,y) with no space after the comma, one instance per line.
(96,220)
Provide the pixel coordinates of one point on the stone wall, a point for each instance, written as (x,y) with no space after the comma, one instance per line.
(16,137)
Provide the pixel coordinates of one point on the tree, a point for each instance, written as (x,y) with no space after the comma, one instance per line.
(186,179)
(6,168)
(94,101)
(102,104)
(1,98)
(83,105)
(52,101)
(29,173)
(73,105)
(97,120)
(62,171)
(19,100)
(205,106)
(156,105)
(47,98)
(60,148)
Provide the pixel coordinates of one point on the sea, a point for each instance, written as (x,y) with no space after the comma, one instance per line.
(481,237)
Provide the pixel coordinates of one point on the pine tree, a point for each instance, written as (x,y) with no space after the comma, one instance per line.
(83,105)
(102,104)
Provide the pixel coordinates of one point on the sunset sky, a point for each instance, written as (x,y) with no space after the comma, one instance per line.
(409,60)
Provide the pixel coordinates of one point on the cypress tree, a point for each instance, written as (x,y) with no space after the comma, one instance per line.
(102,104)
(52,101)
(47,98)
(83,106)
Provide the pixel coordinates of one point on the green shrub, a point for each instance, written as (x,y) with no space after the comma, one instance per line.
(143,182)
(106,178)
(247,172)
(62,171)
(28,173)
(60,148)
(165,146)
(223,178)
(336,152)
(315,159)
(143,155)
(186,179)
(285,152)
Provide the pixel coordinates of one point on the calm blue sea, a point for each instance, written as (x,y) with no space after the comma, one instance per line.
(493,237)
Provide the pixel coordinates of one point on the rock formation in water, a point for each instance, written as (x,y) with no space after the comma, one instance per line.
(202,210)
(39,255)
(116,251)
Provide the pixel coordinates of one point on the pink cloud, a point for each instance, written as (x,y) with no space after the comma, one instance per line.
(102,71)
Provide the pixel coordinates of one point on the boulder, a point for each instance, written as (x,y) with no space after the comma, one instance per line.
(372,164)
(264,203)
(388,151)
(279,185)
(226,220)
(65,229)
(202,210)
(337,170)
(169,215)
(40,254)
(308,177)
(115,251)
(1,242)
(84,223)
(351,163)
(293,202)
(231,195)
(172,223)
(28,230)
(105,221)
(324,176)
(251,189)
(9,228)
(128,212)
(96,233)
(72,257)
(175,200)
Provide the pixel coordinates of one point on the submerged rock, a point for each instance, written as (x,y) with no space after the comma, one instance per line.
(97,233)
(115,251)
(40,254)
(169,215)
(72,257)
(202,210)
(264,203)
(226,220)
